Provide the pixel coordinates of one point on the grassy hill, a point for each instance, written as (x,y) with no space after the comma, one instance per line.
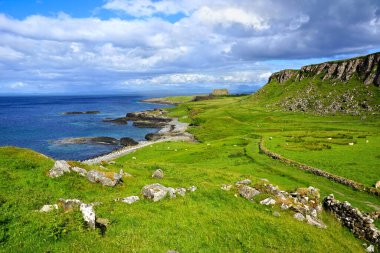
(348,86)
(229,130)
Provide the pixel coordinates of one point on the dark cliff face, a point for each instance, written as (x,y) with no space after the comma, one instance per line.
(367,69)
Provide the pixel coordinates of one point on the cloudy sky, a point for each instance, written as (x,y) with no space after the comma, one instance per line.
(173,46)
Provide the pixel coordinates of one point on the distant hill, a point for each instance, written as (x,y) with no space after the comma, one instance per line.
(348,86)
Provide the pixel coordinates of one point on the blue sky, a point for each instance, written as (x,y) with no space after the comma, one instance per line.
(166,46)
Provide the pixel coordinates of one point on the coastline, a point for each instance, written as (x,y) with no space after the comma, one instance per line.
(172,131)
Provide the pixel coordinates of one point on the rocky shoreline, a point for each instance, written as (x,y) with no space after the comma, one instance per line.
(171,130)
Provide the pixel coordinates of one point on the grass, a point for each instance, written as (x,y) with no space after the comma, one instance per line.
(208,220)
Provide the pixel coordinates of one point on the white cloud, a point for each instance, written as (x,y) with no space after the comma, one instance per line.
(212,41)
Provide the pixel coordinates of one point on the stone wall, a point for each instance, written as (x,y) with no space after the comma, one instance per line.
(360,224)
(319,172)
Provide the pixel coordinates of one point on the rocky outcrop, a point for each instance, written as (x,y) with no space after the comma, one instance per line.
(89,140)
(157,191)
(126,141)
(118,121)
(360,224)
(60,167)
(366,68)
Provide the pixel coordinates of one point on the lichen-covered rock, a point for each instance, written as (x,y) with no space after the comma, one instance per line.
(88,214)
(154,192)
(247,192)
(130,200)
(60,167)
(80,171)
(95,176)
(158,174)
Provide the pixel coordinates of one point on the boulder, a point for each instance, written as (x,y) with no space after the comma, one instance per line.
(299,216)
(88,214)
(226,187)
(95,176)
(130,199)
(268,201)
(60,167)
(154,192)
(152,137)
(370,248)
(245,181)
(248,192)
(158,174)
(80,171)
(48,208)
(118,121)
(126,141)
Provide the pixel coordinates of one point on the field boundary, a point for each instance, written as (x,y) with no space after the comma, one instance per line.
(348,182)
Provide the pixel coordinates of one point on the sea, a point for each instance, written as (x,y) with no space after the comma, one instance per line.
(38,122)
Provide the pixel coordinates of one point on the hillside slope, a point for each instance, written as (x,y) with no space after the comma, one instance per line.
(348,86)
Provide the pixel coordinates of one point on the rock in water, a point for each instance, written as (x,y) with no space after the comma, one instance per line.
(88,214)
(158,174)
(155,192)
(126,141)
(60,167)
(130,199)
(80,171)
(248,192)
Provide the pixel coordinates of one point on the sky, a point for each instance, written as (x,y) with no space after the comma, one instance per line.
(173,47)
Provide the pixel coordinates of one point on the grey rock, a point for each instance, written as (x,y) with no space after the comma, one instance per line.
(245,182)
(171,192)
(95,176)
(130,199)
(299,216)
(60,167)
(158,174)
(69,204)
(284,206)
(48,208)
(154,192)
(80,171)
(268,201)
(315,222)
(247,192)
(88,214)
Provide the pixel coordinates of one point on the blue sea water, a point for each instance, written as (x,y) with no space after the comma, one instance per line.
(36,122)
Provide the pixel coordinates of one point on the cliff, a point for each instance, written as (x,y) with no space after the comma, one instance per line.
(348,86)
(366,69)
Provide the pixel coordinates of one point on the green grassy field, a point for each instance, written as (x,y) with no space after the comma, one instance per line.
(209,219)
